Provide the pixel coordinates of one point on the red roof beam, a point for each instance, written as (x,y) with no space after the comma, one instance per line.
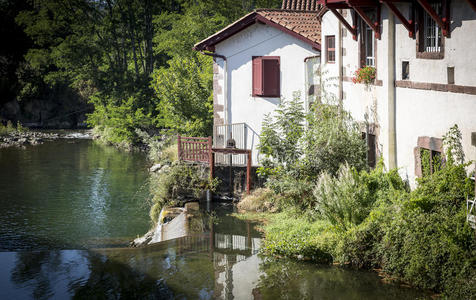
(352,29)
(443,22)
(472,3)
(363,3)
(408,24)
(336,4)
(374,25)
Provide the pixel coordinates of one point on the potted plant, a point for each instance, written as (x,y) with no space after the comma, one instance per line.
(364,75)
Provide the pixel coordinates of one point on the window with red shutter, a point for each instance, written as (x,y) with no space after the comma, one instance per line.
(266,76)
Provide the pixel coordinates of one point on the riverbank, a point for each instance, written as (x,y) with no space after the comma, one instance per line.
(22,138)
(418,237)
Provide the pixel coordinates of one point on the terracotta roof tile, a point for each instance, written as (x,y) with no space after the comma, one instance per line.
(303,23)
(305,5)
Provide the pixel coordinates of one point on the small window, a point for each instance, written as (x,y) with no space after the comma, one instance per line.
(330,48)
(428,156)
(430,161)
(266,76)
(371,149)
(430,38)
(405,70)
(450,71)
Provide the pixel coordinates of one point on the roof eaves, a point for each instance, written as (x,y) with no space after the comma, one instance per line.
(251,18)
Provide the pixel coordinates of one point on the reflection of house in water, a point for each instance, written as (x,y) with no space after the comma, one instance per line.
(235,265)
(230,247)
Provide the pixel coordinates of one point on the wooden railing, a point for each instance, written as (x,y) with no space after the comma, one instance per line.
(199,149)
(194,149)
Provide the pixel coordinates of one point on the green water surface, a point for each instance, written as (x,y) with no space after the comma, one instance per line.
(70,207)
(71,194)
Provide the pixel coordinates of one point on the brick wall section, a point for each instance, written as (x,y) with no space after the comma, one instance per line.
(452,88)
(425,142)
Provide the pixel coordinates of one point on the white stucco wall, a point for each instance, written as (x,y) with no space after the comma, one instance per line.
(259,40)
(459,48)
(418,112)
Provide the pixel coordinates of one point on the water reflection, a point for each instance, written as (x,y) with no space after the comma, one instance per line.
(220,263)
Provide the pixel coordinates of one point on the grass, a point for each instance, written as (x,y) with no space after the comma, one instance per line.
(261,200)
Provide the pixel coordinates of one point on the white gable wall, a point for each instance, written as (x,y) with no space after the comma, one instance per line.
(418,112)
(258,40)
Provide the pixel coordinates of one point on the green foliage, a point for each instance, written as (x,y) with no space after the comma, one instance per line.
(448,187)
(184,96)
(9,128)
(333,138)
(292,236)
(434,250)
(281,133)
(453,146)
(172,184)
(116,124)
(371,220)
(347,199)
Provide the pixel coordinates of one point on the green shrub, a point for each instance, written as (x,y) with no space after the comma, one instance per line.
(332,139)
(282,133)
(9,128)
(175,184)
(347,199)
(448,187)
(260,200)
(162,148)
(295,236)
(116,122)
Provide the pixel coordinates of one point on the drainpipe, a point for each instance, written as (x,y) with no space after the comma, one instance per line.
(225,91)
(306,83)
(340,63)
(392,136)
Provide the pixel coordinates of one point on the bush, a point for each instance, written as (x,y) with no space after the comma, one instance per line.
(346,200)
(116,122)
(260,200)
(332,139)
(9,128)
(294,236)
(281,134)
(162,148)
(175,184)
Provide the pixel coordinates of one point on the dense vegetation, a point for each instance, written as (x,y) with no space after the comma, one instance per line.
(132,60)
(325,205)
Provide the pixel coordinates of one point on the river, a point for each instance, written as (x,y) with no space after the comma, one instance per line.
(70,207)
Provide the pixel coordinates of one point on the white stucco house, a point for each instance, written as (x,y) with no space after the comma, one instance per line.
(260,59)
(424,54)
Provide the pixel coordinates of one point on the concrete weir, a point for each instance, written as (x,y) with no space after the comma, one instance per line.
(173,223)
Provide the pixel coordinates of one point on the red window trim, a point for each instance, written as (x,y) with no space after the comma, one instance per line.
(328,49)
(258,83)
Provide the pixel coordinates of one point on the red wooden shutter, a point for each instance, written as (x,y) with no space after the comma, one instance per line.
(271,76)
(257,76)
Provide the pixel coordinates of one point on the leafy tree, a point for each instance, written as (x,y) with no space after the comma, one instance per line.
(184,95)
